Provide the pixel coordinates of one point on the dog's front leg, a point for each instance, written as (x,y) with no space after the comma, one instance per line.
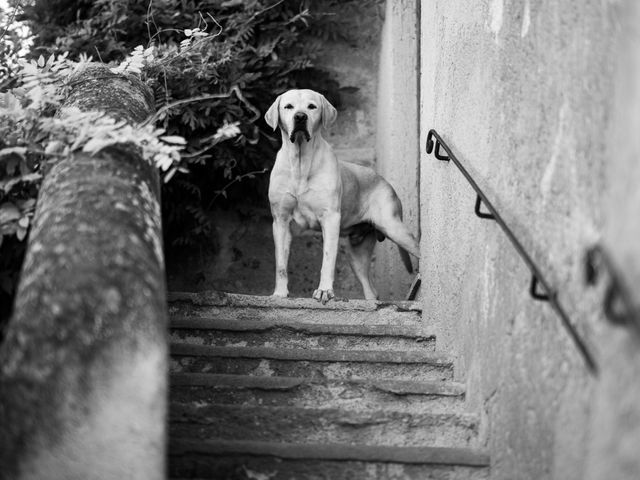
(330,223)
(282,240)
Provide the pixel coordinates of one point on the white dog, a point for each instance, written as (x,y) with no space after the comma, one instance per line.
(309,185)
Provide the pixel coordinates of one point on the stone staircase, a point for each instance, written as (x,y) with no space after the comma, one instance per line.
(270,389)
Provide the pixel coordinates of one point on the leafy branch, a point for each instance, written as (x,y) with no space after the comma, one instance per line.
(223,192)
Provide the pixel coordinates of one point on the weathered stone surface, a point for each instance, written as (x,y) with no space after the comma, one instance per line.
(223,299)
(525,93)
(276,333)
(310,409)
(295,311)
(416,397)
(616,407)
(246,460)
(311,363)
(123,97)
(397,134)
(322,425)
(83,366)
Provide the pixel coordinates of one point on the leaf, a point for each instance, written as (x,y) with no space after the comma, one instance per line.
(29,69)
(170,174)
(174,139)
(54,147)
(163,161)
(21,151)
(7,185)
(9,213)
(94,145)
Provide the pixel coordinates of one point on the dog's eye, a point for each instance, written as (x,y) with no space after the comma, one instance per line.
(311,106)
(288,106)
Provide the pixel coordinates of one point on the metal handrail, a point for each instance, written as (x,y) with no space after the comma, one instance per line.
(537,278)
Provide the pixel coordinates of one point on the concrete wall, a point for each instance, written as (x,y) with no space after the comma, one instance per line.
(397,135)
(616,411)
(523,92)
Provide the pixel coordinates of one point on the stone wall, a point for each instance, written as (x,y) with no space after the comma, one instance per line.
(397,135)
(353,63)
(537,99)
(615,423)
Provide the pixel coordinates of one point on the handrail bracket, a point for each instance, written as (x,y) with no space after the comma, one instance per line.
(533,290)
(481,214)
(618,304)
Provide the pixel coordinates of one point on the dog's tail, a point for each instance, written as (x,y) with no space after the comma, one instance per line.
(406,259)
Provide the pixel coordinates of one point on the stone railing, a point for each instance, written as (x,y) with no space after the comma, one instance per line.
(83,382)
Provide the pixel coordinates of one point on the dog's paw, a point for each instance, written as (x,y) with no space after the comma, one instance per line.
(323,295)
(280,294)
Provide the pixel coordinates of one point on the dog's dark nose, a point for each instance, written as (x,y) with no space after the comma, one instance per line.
(300,117)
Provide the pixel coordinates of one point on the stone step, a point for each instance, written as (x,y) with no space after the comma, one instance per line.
(219,459)
(279,333)
(321,425)
(270,388)
(313,363)
(237,300)
(351,394)
(227,306)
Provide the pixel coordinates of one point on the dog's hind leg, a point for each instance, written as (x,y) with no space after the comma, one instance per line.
(387,217)
(399,234)
(360,252)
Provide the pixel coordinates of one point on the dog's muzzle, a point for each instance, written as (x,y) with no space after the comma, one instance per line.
(299,128)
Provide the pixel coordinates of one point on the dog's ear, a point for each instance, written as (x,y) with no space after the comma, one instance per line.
(272,116)
(329,113)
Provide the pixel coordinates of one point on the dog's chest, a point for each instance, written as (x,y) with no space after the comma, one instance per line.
(307,203)
(304,216)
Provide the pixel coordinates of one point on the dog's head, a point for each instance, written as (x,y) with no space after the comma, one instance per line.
(300,113)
